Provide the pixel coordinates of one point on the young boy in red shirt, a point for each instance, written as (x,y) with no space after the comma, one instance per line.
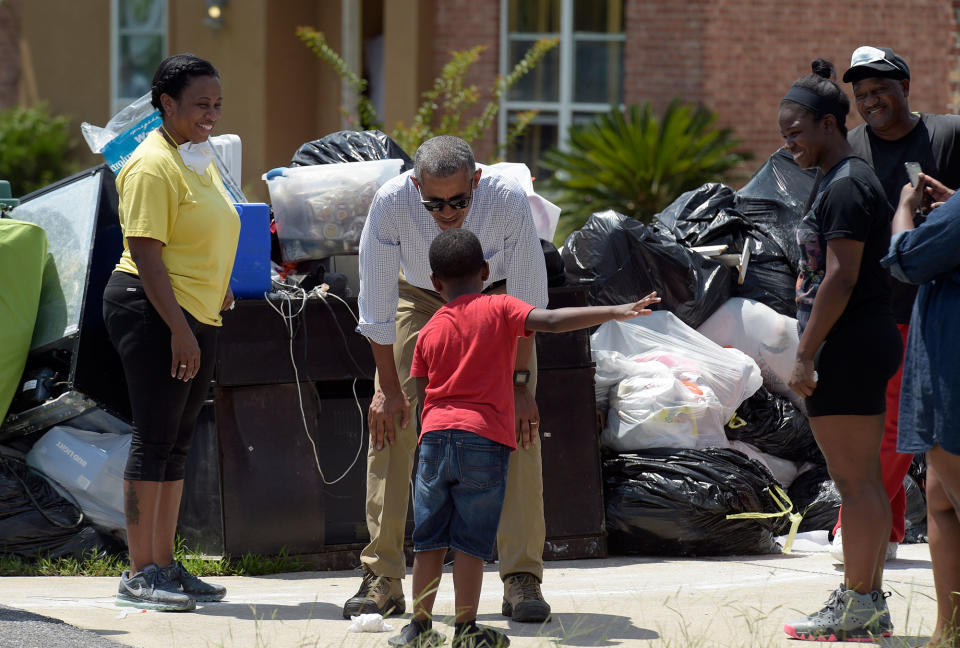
(463,364)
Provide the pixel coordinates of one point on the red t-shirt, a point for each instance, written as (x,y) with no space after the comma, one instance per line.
(468,351)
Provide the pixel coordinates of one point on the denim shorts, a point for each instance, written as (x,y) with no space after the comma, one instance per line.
(461,482)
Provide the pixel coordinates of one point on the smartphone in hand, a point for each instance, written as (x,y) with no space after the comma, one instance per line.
(913,172)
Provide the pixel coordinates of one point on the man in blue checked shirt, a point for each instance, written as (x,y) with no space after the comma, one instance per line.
(445,190)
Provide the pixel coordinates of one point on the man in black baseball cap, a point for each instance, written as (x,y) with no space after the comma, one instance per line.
(869,61)
(891,136)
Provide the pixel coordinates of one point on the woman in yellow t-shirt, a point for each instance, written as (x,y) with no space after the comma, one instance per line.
(162,311)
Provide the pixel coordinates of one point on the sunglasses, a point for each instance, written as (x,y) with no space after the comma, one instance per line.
(454,203)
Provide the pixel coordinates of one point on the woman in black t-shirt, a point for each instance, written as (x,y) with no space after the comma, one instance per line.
(849,345)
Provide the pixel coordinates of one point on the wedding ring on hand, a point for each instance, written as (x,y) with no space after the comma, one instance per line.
(183,365)
(534,423)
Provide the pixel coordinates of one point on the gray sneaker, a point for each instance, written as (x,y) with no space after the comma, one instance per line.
(149,590)
(846,616)
(884,621)
(175,572)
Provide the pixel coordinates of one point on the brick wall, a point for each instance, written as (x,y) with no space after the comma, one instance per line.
(954,99)
(461,25)
(754,49)
(738,57)
(9,53)
(664,53)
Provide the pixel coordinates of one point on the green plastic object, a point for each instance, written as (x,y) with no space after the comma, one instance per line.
(23,253)
(6,196)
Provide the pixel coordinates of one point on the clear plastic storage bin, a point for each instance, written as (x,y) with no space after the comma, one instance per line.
(320,210)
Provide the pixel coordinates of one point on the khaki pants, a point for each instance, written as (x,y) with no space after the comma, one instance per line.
(522,530)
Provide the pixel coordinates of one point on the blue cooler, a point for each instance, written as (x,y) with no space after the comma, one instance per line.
(251,268)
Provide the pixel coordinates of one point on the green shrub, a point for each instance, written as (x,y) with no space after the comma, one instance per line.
(635,163)
(34,146)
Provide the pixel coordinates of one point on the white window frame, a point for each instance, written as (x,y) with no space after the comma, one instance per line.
(116,102)
(565,106)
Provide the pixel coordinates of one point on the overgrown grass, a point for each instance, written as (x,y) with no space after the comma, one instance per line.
(99,564)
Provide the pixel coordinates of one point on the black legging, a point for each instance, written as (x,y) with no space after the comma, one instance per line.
(164,409)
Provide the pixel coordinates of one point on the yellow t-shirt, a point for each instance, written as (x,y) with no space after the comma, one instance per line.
(191,214)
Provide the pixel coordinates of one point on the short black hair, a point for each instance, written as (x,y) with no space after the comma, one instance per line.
(830,93)
(456,254)
(443,156)
(174,73)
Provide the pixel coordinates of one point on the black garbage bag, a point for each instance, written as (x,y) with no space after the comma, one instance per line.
(671,502)
(915,520)
(35,519)
(785,189)
(711,215)
(774,201)
(622,260)
(816,497)
(351,146)
(556,275)
(692,212)
(915,484)
(773,425)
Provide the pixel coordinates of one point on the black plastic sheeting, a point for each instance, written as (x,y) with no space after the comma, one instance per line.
(35,519)
(673,502)
(351,146)
(773,425)
(622,260)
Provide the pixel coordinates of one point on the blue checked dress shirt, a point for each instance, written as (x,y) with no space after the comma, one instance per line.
(398,233)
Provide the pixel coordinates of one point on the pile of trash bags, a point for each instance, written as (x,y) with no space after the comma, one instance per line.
(699,420)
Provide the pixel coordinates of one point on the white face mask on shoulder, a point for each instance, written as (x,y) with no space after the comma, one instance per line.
(197,156)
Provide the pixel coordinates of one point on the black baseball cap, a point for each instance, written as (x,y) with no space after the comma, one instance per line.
(868,61)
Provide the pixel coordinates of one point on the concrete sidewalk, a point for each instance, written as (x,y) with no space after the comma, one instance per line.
(621,601)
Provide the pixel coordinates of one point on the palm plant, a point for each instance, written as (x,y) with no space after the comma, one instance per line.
(635,163)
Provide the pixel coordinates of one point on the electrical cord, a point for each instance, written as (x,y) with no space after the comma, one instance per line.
(288,296)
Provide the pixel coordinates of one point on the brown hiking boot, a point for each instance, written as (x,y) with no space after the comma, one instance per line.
(522,599)
(377,595)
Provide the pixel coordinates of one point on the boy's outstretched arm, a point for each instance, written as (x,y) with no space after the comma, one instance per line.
(571,319)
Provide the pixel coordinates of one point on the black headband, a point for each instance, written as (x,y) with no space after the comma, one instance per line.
(819,105)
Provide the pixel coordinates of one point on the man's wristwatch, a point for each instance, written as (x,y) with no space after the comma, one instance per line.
(521,377)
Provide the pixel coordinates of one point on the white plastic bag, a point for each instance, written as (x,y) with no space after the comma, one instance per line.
(127,118)
(676,388)
(368,623)
(89,465)
(783,470)
(763,334)
(545,213)
(320,209)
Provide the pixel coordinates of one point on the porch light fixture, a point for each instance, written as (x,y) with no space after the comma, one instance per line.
(214,19)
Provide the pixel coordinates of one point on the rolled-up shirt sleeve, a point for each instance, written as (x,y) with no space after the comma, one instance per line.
(379,269)
(526,269)
(919,255)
